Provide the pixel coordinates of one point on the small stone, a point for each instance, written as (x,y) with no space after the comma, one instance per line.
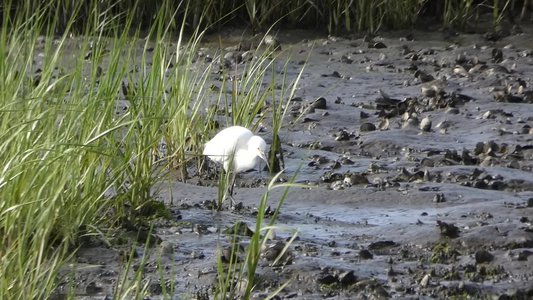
(483,256)
(355,178)
(377,45)
(381,244)
(327,279)
(166,248)
(343,135)
(366,127)
(425,124)
(92,288)
(513,164)
(365,254)
(347,278)
(523,255)
(319,103)
(439,198)
(448,229)
(273,251)
(427,162)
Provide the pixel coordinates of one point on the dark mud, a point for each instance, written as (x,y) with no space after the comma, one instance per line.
(418,163)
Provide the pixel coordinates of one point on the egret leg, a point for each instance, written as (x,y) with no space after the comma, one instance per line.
(229,193)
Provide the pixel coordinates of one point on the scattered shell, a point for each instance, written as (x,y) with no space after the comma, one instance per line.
(425,280)
(460,71)
(434,88)
(272,42)
(337,185)
(425,124)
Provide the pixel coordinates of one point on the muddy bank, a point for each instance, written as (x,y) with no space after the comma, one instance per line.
(418,165)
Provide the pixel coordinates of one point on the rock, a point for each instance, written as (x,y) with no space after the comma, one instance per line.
(365,254)
(376,45)
(448,229)
(366,127)
(166,248)
(423,77)
(327,279)
(319,103)
(343,135)
(347,278)
(439,198)
(355,178)
(425,124)
(239,228)
(92,288)
(381,244)
(483,256)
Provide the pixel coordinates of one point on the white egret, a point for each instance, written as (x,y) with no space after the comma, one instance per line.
(237,149)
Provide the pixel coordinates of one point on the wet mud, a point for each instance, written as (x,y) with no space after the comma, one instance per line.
(415,155)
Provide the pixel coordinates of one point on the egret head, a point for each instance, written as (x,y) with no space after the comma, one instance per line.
(258,147)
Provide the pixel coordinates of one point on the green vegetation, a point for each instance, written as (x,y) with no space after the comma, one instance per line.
(237,276)
(335,15)
(442,253)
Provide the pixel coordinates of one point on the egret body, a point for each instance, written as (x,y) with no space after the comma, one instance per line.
(237,149)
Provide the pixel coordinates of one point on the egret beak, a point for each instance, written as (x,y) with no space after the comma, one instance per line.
(262,155)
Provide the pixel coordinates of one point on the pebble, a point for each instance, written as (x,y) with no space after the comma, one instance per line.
(365,254)
(425,124)
(425,280)
(319,103)
(166,248)
(483,256)
(366,127)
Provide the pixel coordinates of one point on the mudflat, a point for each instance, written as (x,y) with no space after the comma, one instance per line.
(415,153)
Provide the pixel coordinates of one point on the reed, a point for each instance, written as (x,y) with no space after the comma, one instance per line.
(335,15)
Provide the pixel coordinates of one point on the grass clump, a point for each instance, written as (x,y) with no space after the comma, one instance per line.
(442,253)
(335,15)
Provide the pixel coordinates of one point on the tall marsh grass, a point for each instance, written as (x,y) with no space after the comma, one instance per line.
(335,15)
